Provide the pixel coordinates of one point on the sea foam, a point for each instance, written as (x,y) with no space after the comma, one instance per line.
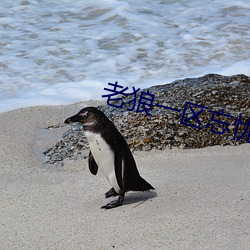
(62,52)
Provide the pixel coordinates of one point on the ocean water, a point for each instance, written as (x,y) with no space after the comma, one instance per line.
(61,52)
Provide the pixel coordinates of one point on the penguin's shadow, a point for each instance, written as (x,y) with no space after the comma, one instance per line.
(137,198)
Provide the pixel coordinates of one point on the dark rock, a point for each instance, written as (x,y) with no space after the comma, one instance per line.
(163,128)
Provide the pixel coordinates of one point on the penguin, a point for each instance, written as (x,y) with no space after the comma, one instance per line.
(110,152)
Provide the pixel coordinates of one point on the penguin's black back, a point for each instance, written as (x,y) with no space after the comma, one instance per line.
(132,180)
(98,122)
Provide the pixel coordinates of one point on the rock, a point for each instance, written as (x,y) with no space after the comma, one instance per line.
(163,128)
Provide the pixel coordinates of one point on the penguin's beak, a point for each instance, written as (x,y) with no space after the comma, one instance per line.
(74,118)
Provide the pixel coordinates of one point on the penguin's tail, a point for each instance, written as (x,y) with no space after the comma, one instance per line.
(141,185)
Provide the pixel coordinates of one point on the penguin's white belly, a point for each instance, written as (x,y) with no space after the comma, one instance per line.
(104,157)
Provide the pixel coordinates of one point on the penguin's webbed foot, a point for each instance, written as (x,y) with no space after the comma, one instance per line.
(113,204)
(111,193)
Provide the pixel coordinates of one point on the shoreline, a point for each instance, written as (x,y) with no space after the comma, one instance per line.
(201,198)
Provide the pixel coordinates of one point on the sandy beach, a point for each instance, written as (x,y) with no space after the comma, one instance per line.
(201,198)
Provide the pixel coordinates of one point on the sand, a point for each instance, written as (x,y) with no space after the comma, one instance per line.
(201,198)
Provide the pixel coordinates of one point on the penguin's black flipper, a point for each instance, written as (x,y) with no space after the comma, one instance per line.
(93,167)
(111,193)
(118,166)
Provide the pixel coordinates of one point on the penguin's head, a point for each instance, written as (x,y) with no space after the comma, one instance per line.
(88,117)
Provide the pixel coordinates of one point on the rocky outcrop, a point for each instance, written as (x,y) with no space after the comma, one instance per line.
(205,112)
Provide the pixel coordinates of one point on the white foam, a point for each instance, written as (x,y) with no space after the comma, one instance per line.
(60,52)
(242,67)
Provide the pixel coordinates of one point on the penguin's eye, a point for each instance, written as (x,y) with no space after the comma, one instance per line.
(84,115)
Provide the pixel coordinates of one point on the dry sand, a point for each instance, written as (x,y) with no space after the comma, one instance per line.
(201,201)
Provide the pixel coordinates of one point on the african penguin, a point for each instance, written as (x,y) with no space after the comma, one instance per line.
(110,152)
